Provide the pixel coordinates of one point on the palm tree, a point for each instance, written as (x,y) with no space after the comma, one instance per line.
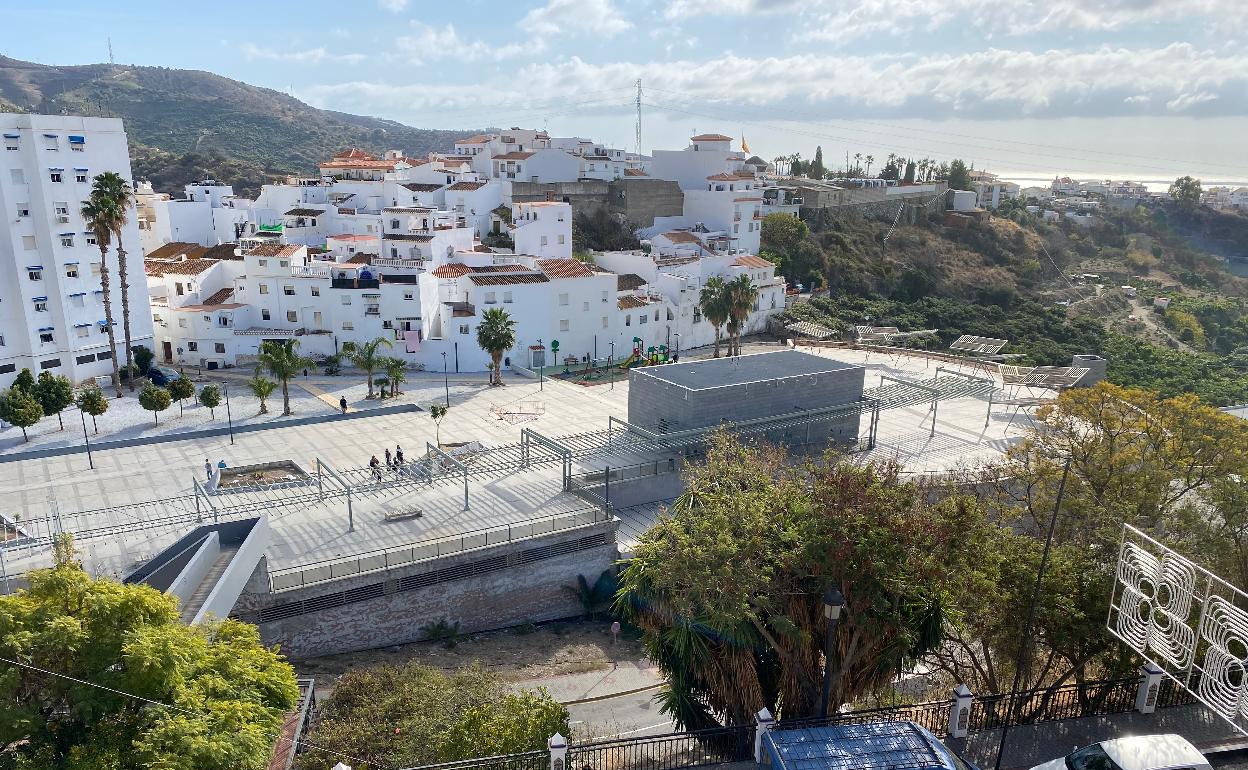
(113,187)
(365,356)
(262,387)
(395,368)
(870,159)
(741,294)
(714,303)
(100,211)
(857,162)
(496,334)
(282,360)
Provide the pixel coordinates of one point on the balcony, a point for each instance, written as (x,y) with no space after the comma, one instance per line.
(355,283)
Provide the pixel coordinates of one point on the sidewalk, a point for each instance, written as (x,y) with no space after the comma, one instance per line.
(621,678)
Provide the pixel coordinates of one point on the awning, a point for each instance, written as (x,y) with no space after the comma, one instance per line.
(54,168)
(48,329)
(72,262)
(71,232)
(77,139)
(52,136)
(79,326)
(34,267)
(12,136)
(38,299)
(81,169)
(77,294)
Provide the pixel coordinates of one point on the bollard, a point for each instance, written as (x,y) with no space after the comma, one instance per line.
(960,712)
(1150,685)
(558,746)
(763,722)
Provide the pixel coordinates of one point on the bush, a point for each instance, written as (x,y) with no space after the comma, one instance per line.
(19,407)
(210,396)
(143,358)
(155,400)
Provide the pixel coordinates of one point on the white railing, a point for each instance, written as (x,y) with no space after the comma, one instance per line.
(310,272)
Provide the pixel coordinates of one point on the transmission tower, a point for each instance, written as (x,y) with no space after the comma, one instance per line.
(111,61)
(638,138)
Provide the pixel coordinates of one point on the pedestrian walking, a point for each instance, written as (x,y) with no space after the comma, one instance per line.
(342,402)
(398,454)
(389,459)
(208,468)
(375,464)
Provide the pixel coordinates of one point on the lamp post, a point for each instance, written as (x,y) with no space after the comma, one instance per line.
(676,355)
(610,374)
(833,603)
(446,382)
(229,416)
(541,367)
(86,438)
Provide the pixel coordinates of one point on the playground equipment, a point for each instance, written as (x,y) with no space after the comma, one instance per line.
(518,412)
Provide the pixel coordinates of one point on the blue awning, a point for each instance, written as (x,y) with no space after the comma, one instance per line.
(78,294)
(38,299)
(48,329)
(72,262)
(12,136)
(34,267)
(76,168)
(77,139)
(79,326)
(71,232)
(52,136)
(54,168)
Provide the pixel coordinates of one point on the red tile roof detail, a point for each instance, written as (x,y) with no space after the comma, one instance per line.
(711,138)
(478,139)
(219,298)
(355,153)
(634,172)
(564,268)
(750,260)
(467,186)
(723,177)
(350,237)
(513,156)
(451,270)
(681,236)
(507,279)
(630,303)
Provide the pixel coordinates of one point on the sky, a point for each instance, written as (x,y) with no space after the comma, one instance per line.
(1146,89)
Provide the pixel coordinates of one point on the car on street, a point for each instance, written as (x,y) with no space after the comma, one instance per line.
(1137,752)
(161,376)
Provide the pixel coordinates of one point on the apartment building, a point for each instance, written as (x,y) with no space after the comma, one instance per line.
(51,305)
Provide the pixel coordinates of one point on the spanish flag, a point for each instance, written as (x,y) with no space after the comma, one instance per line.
(744,147)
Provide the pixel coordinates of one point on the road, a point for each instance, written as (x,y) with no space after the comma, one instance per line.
(624,716)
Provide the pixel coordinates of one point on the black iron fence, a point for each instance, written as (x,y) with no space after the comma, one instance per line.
(529,760)
(666,752)
(933,715)
(1084,699)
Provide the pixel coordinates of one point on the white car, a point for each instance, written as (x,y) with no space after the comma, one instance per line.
(1141,752)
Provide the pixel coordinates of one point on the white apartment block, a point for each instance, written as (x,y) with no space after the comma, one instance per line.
(721,194)
(51,307)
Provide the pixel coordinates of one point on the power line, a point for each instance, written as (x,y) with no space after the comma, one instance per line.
(171,707)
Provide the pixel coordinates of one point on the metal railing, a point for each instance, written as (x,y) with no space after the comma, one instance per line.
(404,555)
(666,752)
(933,715)
(529,760)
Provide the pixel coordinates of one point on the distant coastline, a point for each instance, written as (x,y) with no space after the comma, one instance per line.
(1153,185)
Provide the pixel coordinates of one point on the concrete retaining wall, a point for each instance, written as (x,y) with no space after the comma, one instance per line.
(192,574)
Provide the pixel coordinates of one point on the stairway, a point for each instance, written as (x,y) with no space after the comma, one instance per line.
(197,599)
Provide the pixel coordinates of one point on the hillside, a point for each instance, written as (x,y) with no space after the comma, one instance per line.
(185,124)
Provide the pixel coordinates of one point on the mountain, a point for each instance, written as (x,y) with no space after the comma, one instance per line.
(187,124)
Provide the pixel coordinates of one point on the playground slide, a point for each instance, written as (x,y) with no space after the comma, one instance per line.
(631,361)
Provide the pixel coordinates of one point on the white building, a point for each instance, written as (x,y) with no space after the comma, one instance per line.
(51,307)
(721,194)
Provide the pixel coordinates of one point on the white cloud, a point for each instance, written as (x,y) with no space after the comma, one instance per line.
(305,56)
(393,6)
(1186,101)
(426,44)
(575,16)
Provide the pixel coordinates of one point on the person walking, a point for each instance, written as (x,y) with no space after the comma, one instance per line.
(389,459)
(375,464)
(342,403)
(398,454)
(208,468)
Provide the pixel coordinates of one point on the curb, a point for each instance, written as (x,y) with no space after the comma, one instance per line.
(608,696)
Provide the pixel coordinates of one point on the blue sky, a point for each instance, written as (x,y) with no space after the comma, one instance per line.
(1150,88)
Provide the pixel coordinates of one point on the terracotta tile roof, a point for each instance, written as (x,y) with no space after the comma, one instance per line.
(517,155)
(177,249)
(355,153)
(469,186)
(289,250)
(507,279)
(187,267)
(630,303)
(564,268)
(422,186)
(478,139)
(208,308)
(350,237)
(501,269)
(219,298)
(407,209)
(451,270)
(302,212)
(386,165)
(266,250)
(629,282)
(750,260)
(221,251)
(407,237)
(723,178)
(634,172)
(681,236)
(363,258)
(710,138)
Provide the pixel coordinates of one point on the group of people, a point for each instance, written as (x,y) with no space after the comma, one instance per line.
(393,461)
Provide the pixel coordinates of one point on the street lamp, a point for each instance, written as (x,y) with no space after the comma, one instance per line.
(610,374)
(86,438)
(446,382)
(541,384)
(229,416)
(676,356)
(833,603)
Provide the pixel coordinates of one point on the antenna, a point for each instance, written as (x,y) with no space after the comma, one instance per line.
(111,60)
(638,138)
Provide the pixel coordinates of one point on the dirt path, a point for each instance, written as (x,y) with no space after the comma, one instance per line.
(1146,316)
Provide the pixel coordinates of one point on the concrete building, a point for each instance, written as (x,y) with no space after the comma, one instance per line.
(702,394)
(51,301)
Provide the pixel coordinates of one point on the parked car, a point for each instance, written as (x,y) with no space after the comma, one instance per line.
(1139,752)
(162,375)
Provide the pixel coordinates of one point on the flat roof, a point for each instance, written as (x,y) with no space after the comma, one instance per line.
(741,370)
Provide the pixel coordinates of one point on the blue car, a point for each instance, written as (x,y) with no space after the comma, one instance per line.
(161,376)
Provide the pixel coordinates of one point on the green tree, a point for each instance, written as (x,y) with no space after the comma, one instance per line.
(130,640)
(180,390)
(727,588)
(402,716)
(143,358)
(331,364)
(210,397)
(116,190)
(741,295)
(91,400)
(54,394)
(18,407)
(496,334)
(595,597)
(261,387)
(101,212)
(438,412)
(281,358)
(154,399)
(396,373)
(782,233)
(959,177)
(599,230)
(366,356)
(1186,191)
(24,381)
(816,166)
(714,302)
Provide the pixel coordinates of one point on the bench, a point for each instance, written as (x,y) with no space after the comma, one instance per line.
(403,515)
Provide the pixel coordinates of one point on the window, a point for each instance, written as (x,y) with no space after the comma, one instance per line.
(264,263)
(41,306)
(604,296)
(11,142)
(394,224)
(76,143)
(223,320)
(181,323)
(560,239)
(491,298)
(346,299)
(641,319)
(71,271)
(506,297)
(544,238)
(45,337)
(314,223)
(208,318)
(35,275)
(628,320)
(67,240)
(409,295)
(28,242)
(50,142)
(219,347)
(264,288)
(585,306)
(265,315)
(316,291)
(177,287)
(316,319)
(563,325)
(62,212)
(51,363)
(77,300)
(292,316)
(463,328)
(563,299)
(83,331)
(348,326)
(80,177)
(394,252)
(192,346)
(289,291)
(1,340)
(16,176)
(91,241)
(656,315)
(604,322)
(56,176)
(22,211)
